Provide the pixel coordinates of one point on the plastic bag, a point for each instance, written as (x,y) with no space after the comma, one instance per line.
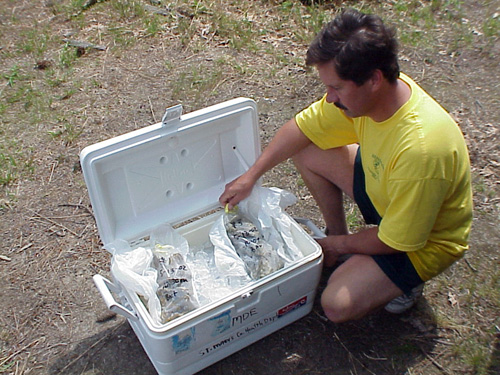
(175,286)
(132,268)
(209,283)
(264,209)
(175,281)
(158,273)
(258,255)
(226,258)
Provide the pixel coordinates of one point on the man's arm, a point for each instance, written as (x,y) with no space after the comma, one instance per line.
(364,242)
(288,141)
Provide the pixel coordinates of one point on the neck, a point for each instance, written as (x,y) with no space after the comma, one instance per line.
(391,97)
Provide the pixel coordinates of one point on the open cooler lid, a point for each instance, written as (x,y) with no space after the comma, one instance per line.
(171,171)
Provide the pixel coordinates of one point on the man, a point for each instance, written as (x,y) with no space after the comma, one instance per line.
(379,138)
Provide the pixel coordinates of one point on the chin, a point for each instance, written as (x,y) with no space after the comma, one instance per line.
(349,114)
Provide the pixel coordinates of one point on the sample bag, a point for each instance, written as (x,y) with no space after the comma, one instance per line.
(255,240)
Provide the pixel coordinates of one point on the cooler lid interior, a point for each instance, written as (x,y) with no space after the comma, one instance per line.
(171,171)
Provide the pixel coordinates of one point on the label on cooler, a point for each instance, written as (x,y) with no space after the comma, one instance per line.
(293,306)
(238,322)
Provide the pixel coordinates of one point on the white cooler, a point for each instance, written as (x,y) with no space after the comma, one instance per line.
(174,172)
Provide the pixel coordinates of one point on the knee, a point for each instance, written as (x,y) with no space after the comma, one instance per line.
(337,308)
(301,159)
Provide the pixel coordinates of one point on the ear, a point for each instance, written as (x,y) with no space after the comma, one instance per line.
(377,79)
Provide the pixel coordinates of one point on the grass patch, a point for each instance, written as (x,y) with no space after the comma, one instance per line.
(491,27)
(35,41)
(15,162)
(66,130)
(128,9)
(197,82)
(13,75)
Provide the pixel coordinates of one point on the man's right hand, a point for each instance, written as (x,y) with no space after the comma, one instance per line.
(236,191)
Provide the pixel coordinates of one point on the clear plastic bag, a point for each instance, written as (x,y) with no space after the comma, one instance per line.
(132,268)
(258,255)
(209,283)
(264,209)
(158,273)
(175,281)
(175,286)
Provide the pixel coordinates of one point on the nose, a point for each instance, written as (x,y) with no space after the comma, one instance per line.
(331,96)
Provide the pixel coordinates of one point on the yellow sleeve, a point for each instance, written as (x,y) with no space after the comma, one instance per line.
(326,125)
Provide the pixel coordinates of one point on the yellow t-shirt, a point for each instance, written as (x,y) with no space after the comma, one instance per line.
(417,174)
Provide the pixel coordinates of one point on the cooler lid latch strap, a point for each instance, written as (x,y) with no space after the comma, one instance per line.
(172,116)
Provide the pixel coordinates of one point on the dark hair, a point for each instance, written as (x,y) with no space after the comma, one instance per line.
(358,44)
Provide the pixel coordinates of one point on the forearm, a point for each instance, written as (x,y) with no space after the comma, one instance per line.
(287,142)
(363,242)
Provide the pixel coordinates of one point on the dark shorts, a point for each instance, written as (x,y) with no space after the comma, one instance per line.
(397,267)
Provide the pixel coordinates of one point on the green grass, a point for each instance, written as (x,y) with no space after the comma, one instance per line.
(35,41)
(128,9)
(491,27)
(67,56)
(12,75)
(67,132)
(15,162)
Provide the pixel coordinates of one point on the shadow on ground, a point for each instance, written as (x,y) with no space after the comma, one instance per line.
(379,344)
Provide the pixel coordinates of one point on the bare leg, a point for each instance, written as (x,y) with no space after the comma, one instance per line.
(356,288)
(327,174)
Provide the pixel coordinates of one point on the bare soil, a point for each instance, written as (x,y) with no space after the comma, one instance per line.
(53,319)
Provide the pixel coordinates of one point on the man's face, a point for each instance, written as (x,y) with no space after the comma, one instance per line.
(352,99)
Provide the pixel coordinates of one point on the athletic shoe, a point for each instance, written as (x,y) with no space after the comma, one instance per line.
(402,303)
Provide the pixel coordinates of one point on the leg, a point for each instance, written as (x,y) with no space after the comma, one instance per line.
(327,174)
(356,288)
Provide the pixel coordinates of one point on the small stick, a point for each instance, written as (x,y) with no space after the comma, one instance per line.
(6,359)
(78,205)
(434,362)
(52,171)
(351,355)
(55,223)
(151,108)
(25,247)
(470,265)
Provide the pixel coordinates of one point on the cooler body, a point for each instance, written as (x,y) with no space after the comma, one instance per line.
(173,172)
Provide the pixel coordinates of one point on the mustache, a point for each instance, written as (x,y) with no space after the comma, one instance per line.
(340,105)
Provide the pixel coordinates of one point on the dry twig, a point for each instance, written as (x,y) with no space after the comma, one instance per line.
(55,223)
(352,355)
(8,358)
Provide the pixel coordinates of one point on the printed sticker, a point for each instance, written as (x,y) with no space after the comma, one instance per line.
(183,341)
(221,323)
(293,306)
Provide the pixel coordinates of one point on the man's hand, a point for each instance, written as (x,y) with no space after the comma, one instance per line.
(236,191)
(330,249)
(364,242)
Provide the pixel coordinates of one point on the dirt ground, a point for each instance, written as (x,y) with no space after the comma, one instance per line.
(54,321)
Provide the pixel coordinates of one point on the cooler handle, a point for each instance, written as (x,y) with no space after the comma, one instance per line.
(104,286)
(317,233)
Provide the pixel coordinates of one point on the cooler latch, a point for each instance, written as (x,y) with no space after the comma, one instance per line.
(172,116)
